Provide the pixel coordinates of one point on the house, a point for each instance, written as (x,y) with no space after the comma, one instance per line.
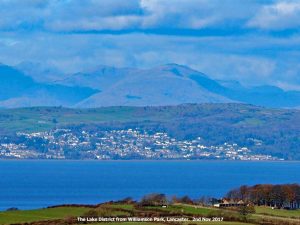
(224,203)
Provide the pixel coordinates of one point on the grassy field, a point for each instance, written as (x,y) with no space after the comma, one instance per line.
(10,217)
(123,210)
(126,223)
(122,206)
(218,223)
(204,223)
(187,209)
(278,212)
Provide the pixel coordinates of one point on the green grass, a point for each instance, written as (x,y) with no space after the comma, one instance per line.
(149,223)
(10,217)
(277,212)
(110,211)
(192,210)
(186,209)
(42,118)
(45,118)
(127,223)
(122,206)
(219,223)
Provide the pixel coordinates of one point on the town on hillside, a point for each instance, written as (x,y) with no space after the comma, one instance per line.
(119,144)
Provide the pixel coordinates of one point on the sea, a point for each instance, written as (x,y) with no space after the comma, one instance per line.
(32,184)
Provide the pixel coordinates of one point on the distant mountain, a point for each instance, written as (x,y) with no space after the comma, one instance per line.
(269,96)
(101,78)
(19,90)
(169,84)
(165,85)
(173,84)
(41,72)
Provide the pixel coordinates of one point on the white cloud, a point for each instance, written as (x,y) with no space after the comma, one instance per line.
(95,24)
(278,16)
(134,14)
(192,14)
(69,15)
(93,15)
(195,14)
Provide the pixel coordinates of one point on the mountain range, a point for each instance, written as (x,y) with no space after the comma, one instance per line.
(30,84)
(19,90)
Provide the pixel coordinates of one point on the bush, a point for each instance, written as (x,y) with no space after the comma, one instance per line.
(154,200)
(99,212)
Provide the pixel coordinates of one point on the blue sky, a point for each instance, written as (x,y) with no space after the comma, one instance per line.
(252,41)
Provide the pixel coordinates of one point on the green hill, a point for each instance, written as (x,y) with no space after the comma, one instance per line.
(268,131)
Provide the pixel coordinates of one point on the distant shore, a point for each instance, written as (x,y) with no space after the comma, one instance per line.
(150,160)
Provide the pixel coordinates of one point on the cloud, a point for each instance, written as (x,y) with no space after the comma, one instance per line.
(193,14)
(120,15)
(65,15)
(146,15)
(93,15)
(215,38)
(278,16)
(248,59)
(95,24)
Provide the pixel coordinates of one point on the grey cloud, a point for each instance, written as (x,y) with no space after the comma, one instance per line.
(219,57)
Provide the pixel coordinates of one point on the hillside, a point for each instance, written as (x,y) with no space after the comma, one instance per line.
(268,131)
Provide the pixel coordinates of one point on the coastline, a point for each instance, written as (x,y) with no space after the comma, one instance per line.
(149,160)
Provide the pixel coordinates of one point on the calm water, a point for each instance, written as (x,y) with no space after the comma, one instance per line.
(35,184)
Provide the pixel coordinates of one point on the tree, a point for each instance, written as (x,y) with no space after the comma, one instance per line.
(154,200)
(285,195)
(245,210)
(186,200)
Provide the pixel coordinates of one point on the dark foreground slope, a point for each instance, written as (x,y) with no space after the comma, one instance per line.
(268,131)
(69,214)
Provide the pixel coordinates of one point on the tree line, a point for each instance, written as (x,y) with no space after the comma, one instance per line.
(278,196)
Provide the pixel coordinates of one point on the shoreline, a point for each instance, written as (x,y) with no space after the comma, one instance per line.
(149,160)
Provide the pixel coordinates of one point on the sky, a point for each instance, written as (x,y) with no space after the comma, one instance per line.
(252,41)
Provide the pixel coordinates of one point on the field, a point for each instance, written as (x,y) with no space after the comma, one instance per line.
(69,214)
(203,223)
(11,217)
(278,212)
(188,209)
